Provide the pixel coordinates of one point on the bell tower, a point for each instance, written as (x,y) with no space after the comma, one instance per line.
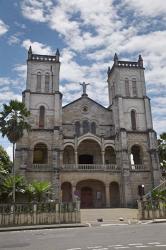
(136,144)
(38,154)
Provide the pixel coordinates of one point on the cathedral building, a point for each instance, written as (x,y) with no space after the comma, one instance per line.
(87,151)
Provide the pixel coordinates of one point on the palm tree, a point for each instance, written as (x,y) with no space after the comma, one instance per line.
(10,181)
(12,124)
(38,189)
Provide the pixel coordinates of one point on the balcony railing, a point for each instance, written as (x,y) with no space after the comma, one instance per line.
(92,167)
(41,167)
(137,167)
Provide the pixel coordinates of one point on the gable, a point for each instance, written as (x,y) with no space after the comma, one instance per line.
(86,108)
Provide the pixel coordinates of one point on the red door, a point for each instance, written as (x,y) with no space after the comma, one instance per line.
(86,197)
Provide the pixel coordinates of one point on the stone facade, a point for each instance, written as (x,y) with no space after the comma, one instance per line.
(88,152)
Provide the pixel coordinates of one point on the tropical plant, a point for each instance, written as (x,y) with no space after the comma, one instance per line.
(162,151)
(12,124)
(38,189)
(10,181)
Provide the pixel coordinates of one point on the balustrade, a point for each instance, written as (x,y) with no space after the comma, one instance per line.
(137,167)
(86,167)
(40,167)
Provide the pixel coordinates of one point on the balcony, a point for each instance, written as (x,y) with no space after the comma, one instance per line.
(40,168)
(138,167)
(90,167)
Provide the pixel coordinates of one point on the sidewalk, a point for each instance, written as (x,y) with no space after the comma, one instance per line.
(88,224)
(35,227)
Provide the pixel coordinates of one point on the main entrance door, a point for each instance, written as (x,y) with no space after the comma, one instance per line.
(86,159)
(86,197)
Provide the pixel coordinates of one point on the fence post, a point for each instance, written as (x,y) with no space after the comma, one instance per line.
(34,214)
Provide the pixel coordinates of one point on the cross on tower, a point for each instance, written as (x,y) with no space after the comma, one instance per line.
(84,85)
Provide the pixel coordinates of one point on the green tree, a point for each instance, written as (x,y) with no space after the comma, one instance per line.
(162,151)
(5,163)
(12,124)
(38,189)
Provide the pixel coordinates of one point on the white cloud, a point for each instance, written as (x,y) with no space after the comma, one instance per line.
(3,28)
(37,47)
(21,70)
(94,30)
(147,8)
(36,10)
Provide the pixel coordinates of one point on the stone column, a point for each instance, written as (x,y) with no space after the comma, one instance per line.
(73,190)
(107,195)
(103,157)
(76,158)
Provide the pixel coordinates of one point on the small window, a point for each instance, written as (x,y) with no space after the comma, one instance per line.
(85,127)
(93,128)
(41,117)
(47,81)
(38,87)
(127,87)
(134,87)
(133,120)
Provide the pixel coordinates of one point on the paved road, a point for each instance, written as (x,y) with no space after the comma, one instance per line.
(131,237)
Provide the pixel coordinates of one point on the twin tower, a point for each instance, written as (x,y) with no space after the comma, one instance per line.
(88,152)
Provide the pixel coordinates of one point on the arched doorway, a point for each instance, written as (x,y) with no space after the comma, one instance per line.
(92,193)
(114,195)
(40,154)
(86,197)
(66,189)
(89,152)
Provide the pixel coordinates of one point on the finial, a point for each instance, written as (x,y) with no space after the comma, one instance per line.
(108,71)
(30,53)
(57,54)
(115,59)
(140,61)
(84,85)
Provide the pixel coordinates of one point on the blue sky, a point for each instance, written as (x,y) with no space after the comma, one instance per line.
(88,33)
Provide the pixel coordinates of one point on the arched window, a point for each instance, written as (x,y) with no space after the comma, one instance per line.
(38,85)
(127,90)
(133,120)
(93,128)
(136,157)
(110,156)
(47,81)
(40,154)
(134,87)
(85,125)
(77,128)
(41,117)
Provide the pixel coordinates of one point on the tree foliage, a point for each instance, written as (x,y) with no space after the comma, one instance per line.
(38,189)
(5,163)
(13,120)
(162,150)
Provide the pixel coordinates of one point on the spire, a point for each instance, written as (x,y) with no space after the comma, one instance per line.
(140,61)
(115,59)
(57,54)
(30,53)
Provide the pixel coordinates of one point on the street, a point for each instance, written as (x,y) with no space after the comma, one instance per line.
(108,237)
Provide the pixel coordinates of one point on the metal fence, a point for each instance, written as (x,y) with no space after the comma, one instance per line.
(152,209)
(39,213)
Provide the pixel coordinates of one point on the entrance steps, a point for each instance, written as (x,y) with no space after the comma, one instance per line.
(109,215)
